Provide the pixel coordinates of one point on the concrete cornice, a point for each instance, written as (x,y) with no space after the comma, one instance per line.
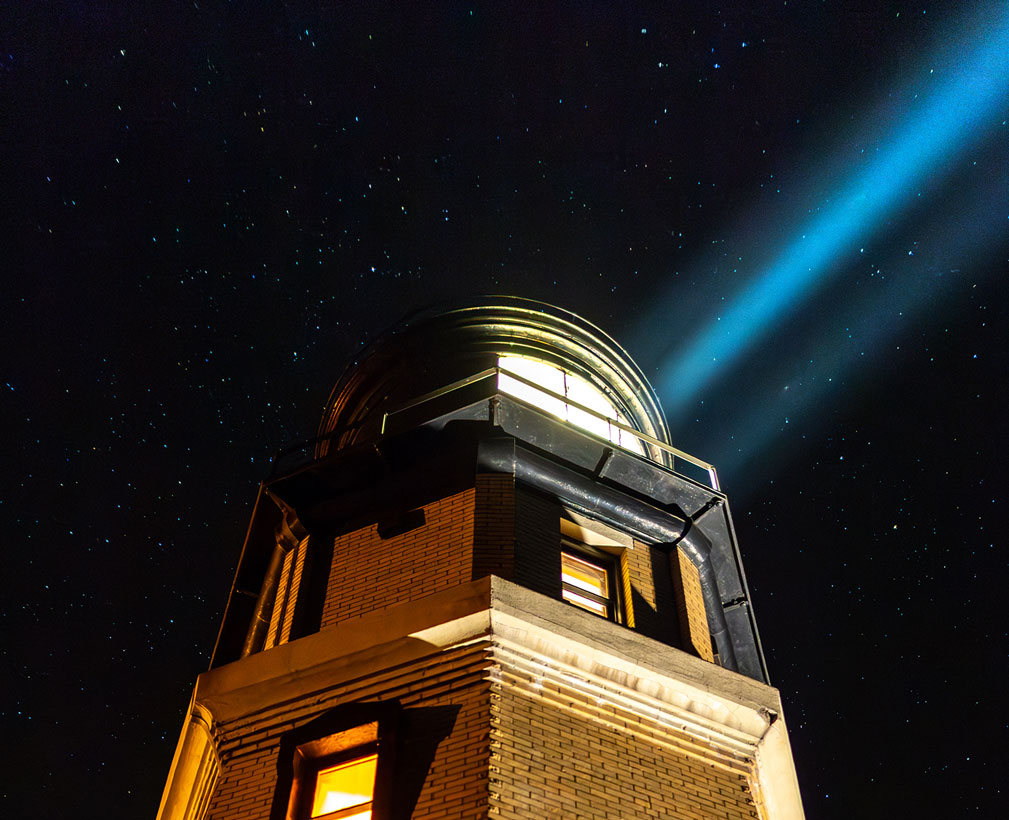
(485,608)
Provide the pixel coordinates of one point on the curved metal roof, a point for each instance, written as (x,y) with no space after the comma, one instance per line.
(439,346)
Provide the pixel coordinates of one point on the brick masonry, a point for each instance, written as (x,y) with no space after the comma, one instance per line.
(497,528)
(537,543)
(498,743)
(690,607)
(442,762)
(557,752)
(646,575)
(371,573)
(494,525)
(482,736)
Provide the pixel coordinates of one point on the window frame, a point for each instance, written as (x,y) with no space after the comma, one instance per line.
(565,400)
(309,778)
(347,732)
(606,561)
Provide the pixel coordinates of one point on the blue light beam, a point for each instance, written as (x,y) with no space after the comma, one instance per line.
(954,116)
(831,375)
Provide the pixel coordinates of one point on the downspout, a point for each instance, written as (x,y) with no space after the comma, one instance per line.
(285,539)
(503,456)
(697,548)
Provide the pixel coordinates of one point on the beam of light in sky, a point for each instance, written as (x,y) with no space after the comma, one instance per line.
(955,114)
(802,389)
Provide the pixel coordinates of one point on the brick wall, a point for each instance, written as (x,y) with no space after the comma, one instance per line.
(627,594)
(371,573)
(650,588)
(537,542)
(649,597)
(690,605)
(496,528)
(555,753)
(494,525)
(480,737)
(442,764)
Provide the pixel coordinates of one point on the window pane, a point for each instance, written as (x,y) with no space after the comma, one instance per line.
(585,603)
(564,384)
(345,786)
(541,373)
(538,373)
(627,440)
(583,575)
(586,395)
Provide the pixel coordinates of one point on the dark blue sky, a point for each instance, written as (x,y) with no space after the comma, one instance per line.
(210,207)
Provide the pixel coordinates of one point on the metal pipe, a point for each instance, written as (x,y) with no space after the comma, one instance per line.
(287,535)
(503,455)
(697,547)
(260,623)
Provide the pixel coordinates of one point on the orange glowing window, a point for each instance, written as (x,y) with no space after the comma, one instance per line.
(345,791)
(586,584)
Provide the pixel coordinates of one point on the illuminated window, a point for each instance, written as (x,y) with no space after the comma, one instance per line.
(537,375)
(345,791)
(587,582)
(592,554)
(341,765)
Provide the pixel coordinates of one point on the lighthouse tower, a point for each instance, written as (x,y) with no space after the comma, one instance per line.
(490,587)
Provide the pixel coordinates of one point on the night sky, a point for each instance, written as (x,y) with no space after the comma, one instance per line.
(794,215)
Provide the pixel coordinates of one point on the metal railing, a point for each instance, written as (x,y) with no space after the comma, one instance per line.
(648,442)
(652,449)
